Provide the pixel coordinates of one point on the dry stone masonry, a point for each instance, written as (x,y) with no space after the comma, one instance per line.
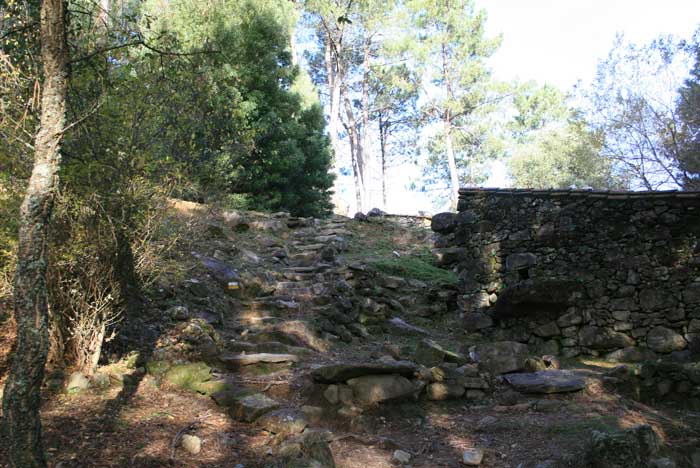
(613,274)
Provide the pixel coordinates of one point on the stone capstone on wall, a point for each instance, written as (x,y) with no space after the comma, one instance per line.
(574,272)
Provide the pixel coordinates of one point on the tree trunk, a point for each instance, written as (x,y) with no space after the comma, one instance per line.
(356,169)
(452,164)
(22,420)
(334,117)
(382,150)
(366,156)
(355,151)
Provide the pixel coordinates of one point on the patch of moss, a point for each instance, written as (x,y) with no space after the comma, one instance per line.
(188,376)
(212,386)
(158,368)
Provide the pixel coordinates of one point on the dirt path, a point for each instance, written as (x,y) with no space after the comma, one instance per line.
(305,294)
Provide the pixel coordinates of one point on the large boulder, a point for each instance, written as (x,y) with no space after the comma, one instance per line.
(501,357)
(443,222)
(370,389)
(603,338)
(665,340)
(337,373)
(631,448)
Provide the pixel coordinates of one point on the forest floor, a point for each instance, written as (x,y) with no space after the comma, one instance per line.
(138,417)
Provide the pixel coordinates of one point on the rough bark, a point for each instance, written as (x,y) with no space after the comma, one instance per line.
(21,402)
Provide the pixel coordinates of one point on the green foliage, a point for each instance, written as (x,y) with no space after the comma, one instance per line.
(450,48)
(688,111)
(562,156)
(537,107)
(222,114)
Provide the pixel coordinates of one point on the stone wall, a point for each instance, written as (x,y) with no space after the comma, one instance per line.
(578,272)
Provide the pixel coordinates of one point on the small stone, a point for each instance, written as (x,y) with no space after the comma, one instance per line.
(473,382)
(400,457)
(569,319)
(484,423)
(444,391)
(472,456)
(349,411)
(547,330)
(665,340)
(178,312)
(77,382)
(663,463)
(313,413)
(345,394)
(468,370)
(331,394)
(534,365)
(191,443)
(472,394)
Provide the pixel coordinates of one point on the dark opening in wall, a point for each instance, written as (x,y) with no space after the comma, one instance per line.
(530,298)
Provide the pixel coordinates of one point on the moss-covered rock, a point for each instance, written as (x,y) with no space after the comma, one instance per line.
(191,376)
(631,448)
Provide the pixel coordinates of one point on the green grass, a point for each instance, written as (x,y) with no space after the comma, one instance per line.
(417,267)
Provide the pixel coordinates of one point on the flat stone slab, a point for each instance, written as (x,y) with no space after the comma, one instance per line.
(547,381)
(251,407)
(400,327)
(336,373)
(256,358)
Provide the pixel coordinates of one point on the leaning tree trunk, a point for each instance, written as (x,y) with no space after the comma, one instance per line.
(21,418)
